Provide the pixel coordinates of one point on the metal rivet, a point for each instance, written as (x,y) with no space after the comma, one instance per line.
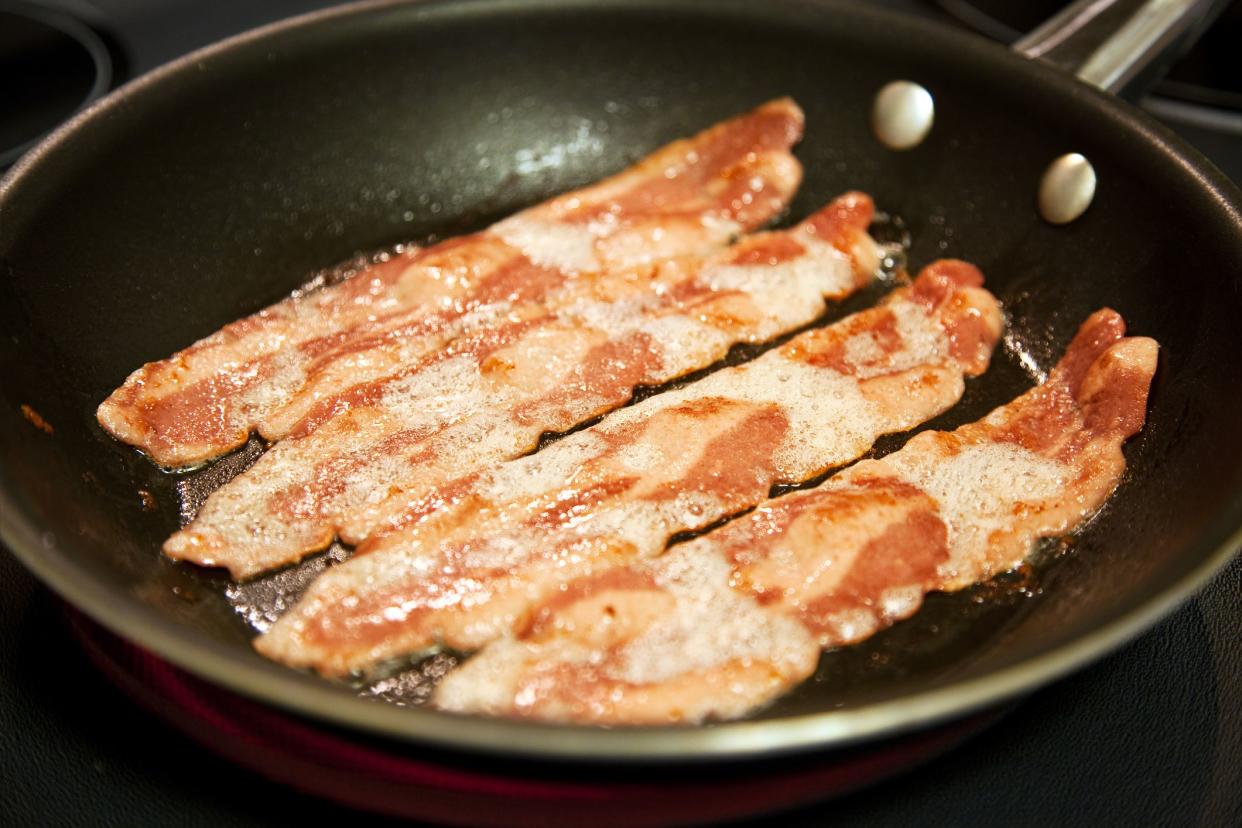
(1066,190)
(902,115)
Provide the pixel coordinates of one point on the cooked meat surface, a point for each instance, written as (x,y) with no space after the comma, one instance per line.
(358,455)
(727,622)
(268,370)
(472,559)
(730,620)
(404,404)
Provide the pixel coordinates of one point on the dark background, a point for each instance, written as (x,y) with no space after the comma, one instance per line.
(1149,736)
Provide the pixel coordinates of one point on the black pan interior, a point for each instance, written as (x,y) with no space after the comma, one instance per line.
(214,189)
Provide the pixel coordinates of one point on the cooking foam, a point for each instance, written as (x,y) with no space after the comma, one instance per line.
(711,625)
(977,489)
(551,244)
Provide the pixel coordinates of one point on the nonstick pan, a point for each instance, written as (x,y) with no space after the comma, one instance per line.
(214,186)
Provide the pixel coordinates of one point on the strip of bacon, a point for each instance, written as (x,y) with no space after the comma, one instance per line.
(727,622)
(658,642)
(690,197)
(468,562)
(359,455)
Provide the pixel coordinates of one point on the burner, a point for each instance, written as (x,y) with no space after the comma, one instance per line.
(427,783)
(53,65)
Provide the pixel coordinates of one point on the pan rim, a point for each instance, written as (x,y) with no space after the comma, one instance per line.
(307,695)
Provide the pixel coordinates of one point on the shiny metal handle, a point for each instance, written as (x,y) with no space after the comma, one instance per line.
(1119,46)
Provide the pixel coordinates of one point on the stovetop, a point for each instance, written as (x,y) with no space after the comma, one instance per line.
(1151,735)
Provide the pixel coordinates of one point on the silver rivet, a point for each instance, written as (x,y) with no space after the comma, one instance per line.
(1066,190)
(902,115)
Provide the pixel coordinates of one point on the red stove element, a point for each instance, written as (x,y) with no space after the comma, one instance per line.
(387,778)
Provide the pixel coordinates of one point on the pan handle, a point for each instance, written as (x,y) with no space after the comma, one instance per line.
(1120,46)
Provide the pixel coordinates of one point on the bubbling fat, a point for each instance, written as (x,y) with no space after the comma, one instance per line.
(473,559)
(360,455)
(403,399)
(725,623)
(262,372)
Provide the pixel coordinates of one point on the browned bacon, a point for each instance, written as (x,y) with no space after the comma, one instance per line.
(357,456)
(267,370)
(730,620)
(468,561)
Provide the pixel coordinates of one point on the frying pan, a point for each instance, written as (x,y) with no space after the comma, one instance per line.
(212,187)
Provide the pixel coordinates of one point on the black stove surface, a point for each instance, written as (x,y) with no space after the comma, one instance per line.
(1151,735)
